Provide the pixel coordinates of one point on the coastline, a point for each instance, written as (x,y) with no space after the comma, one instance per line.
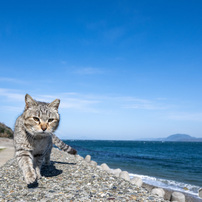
(8,144)
(168,193)
(154,184)
(155,163)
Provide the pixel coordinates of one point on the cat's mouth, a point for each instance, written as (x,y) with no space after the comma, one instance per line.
(44,132)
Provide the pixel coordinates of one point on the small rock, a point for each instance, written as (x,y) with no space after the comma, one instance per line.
(116,172)
(124,175)
(93,163)
(104,166)
(136,181)
(200,193)
(159,192)
(88,158)
(99,167)
(177,196)
(78,157)
(133,197)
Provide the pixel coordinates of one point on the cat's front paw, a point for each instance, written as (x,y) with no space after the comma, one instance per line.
(72,151)
(30,177)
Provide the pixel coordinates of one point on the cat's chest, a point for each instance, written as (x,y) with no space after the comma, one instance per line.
(41,145)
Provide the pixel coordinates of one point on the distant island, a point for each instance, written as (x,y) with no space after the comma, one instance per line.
(177,138)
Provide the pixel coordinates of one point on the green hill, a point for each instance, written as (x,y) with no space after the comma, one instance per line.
(5,131)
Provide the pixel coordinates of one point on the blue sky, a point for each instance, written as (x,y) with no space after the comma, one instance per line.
(122,69)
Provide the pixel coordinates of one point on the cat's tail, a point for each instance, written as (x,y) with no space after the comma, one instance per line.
(61,145)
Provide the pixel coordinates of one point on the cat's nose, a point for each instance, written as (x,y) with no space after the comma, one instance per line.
(43,127)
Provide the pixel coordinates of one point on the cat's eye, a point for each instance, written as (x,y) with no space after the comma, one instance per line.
(36,119)
(50,120)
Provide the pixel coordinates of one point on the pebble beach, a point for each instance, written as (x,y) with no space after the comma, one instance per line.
(69,178)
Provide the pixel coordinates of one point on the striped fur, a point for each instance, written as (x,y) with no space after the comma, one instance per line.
(61,145)
(33,137)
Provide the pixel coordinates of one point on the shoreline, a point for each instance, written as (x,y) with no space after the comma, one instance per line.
(8,144)
(168,193)
(169,188)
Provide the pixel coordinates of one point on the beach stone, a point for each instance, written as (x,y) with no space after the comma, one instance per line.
(93,163)
(200,192)
(88,158)
(136,181)
(105,167)
(159,192)
(124,175)
(177,196)
(80,158)
(99,167)
(116,172)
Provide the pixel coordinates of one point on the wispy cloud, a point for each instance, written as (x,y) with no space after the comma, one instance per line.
(72,100)
(135,103)
(13,80)
(88,71)
(12,95)
(100,103)
(80,104)
(185,116)
(86,102)
(68,100)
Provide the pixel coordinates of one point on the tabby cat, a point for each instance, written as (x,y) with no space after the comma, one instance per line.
(33,137)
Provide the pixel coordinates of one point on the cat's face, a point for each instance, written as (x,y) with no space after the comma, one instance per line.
(40,117)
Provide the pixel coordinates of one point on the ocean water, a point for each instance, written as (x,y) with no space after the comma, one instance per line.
(175,165)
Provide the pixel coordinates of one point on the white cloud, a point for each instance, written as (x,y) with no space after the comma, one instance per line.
(72,100)
(12,95)
(86,102)
(79,104)
(68,100)
(136,103)
(97,103)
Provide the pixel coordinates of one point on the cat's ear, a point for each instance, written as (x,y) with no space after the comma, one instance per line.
(29,101)
(55,104)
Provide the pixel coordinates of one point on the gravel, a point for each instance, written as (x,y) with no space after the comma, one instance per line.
(69,178)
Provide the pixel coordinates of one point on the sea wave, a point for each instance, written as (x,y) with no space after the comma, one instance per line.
(169,184)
